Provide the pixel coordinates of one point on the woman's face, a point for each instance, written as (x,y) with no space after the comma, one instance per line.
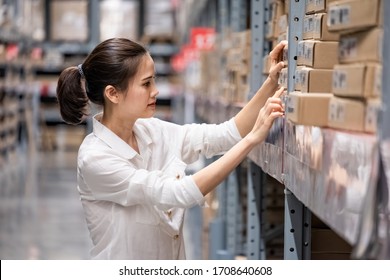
(139,101)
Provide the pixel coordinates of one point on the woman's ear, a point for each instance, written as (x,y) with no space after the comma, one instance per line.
(112,94)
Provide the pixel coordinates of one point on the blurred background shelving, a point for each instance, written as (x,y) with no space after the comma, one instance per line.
(316,189)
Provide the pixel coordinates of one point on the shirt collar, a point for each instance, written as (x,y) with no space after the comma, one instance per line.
(111,139)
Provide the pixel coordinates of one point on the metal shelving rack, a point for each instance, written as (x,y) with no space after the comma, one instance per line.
(303,159)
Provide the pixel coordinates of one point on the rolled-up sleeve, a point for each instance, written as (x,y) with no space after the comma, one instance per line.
(114,179)
(205,139)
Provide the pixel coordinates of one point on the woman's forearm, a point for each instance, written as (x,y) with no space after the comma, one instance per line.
(212,175)
(246,118)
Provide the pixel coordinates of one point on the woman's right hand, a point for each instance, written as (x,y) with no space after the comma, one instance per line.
(272,109)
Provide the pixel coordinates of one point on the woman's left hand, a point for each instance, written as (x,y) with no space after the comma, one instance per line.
(275,57)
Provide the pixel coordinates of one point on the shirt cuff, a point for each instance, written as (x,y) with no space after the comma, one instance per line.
(234,129)
(194,191)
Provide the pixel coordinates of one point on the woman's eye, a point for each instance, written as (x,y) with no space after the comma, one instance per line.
(147,84)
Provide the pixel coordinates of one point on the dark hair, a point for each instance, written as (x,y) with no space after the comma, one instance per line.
(112,62)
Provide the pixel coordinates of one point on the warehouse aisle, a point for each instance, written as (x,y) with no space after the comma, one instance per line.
(40,213)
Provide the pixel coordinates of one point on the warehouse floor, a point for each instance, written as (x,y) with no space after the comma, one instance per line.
(40,213)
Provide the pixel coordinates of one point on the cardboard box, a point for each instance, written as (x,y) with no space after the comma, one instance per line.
(357,80)
(318,54)
(308,27)
(346,114)
(69,21)
(372,110)
(361,46)
(241,39)
(317,6)
(317,29)
(270,30)
(349,16)
(283,77)
(313,80)
(308,108)
(282,25)
(266,64)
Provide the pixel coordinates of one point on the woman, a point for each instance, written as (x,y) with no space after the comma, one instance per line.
(131,176)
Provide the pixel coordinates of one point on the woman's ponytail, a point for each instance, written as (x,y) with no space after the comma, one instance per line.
(72,96)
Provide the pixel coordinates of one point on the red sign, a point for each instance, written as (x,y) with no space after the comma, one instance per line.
(203,38)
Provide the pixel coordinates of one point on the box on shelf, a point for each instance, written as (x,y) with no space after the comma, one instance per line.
(266,64)
(313,80)
(317,6)
(318,54)
(283,77)
(348,16)
(357,80)
(361,46)
(241,39)
(314,27)
(308,108)
(270,30)
(347,114)
(373,106)
(281,25)
(66,17)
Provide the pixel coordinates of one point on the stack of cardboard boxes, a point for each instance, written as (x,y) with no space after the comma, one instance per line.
(317,54)
(357,78)
(339,64)
(238,59)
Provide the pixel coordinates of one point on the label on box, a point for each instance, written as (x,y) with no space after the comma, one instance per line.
(378,81)
(291,104)
(348,47)
(337,112)
(371,115)
(317,22)
(339,15)
(308,24)
(301,78)
(339,79)
(308,52)
(301,48)
(283,77)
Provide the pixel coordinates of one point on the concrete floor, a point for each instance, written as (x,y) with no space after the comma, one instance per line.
(40,213)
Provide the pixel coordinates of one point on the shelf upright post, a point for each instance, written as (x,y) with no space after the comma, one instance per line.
(258,46)
(255,243)
(297,217)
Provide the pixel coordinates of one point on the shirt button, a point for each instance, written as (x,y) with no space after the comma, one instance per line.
(169,213)
(177,176)
(176,237)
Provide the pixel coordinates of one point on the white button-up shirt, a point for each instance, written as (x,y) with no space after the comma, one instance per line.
(134,203)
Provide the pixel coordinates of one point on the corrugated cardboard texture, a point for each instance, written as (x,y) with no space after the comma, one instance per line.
(357,80)
(308,109)
(346,114)
(313,80)
(320,55)
(317,6)
(361,47)
(352,15)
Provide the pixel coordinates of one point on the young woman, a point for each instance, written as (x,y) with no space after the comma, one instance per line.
(131,176)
